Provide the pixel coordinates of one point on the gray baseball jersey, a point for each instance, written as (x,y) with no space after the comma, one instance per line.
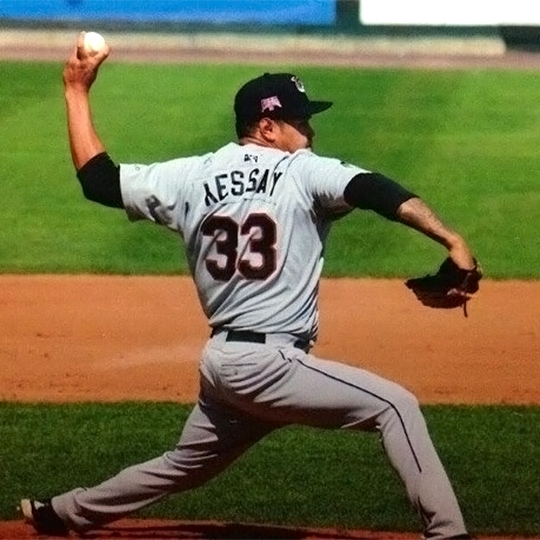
(237,209)
(254,221)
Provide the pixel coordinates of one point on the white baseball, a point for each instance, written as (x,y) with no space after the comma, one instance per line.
(94,43)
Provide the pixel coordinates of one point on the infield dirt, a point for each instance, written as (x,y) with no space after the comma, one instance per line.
(110,338)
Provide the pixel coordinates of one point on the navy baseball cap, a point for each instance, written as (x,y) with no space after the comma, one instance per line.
(275,95)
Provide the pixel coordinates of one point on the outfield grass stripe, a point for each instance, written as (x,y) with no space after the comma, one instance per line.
(457,138)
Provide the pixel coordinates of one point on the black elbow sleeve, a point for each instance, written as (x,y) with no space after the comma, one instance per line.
(374,191)
(100,181)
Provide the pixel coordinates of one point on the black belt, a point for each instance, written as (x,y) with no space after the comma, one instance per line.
(256,337)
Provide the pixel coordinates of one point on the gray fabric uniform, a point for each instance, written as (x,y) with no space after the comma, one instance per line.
(254,222)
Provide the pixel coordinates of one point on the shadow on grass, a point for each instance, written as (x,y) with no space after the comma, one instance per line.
(155,530)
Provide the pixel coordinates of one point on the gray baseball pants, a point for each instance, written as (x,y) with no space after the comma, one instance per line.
(250,389)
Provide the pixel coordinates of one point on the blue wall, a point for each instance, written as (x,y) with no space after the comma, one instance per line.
(279,12)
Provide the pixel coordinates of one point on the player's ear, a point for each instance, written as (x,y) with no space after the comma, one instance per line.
(268,128)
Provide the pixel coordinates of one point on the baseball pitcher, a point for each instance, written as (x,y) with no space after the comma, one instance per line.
(254,216)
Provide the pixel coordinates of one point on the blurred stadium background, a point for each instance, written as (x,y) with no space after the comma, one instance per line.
(473,28)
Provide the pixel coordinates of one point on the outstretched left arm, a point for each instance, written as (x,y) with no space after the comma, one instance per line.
(416,214)
(374,191)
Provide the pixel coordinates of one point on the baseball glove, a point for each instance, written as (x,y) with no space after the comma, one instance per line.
(449,288)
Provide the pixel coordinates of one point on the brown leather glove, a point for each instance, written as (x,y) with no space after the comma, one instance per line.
(449,288)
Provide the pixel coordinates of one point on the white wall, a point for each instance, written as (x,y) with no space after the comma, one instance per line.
(450,12)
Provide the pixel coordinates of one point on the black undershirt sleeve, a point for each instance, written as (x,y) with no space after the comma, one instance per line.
(100,181)
(374,191)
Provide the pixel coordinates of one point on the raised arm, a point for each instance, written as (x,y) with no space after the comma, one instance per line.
(79,74)
(98,175)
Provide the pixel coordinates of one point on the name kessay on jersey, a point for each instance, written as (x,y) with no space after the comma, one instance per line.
(237,183)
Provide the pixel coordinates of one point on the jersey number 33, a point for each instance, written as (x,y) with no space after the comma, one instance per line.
(258,260)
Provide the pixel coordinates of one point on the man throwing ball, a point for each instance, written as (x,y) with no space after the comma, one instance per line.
(254,216)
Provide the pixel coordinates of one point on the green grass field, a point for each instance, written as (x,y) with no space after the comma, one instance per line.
(466,141)
(295,476)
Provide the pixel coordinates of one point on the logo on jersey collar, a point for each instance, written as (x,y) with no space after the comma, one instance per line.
(269,104)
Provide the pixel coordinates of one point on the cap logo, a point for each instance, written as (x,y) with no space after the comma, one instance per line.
(298,83)
(269,104)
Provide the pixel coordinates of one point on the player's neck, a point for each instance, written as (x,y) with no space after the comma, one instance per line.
(259,141)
